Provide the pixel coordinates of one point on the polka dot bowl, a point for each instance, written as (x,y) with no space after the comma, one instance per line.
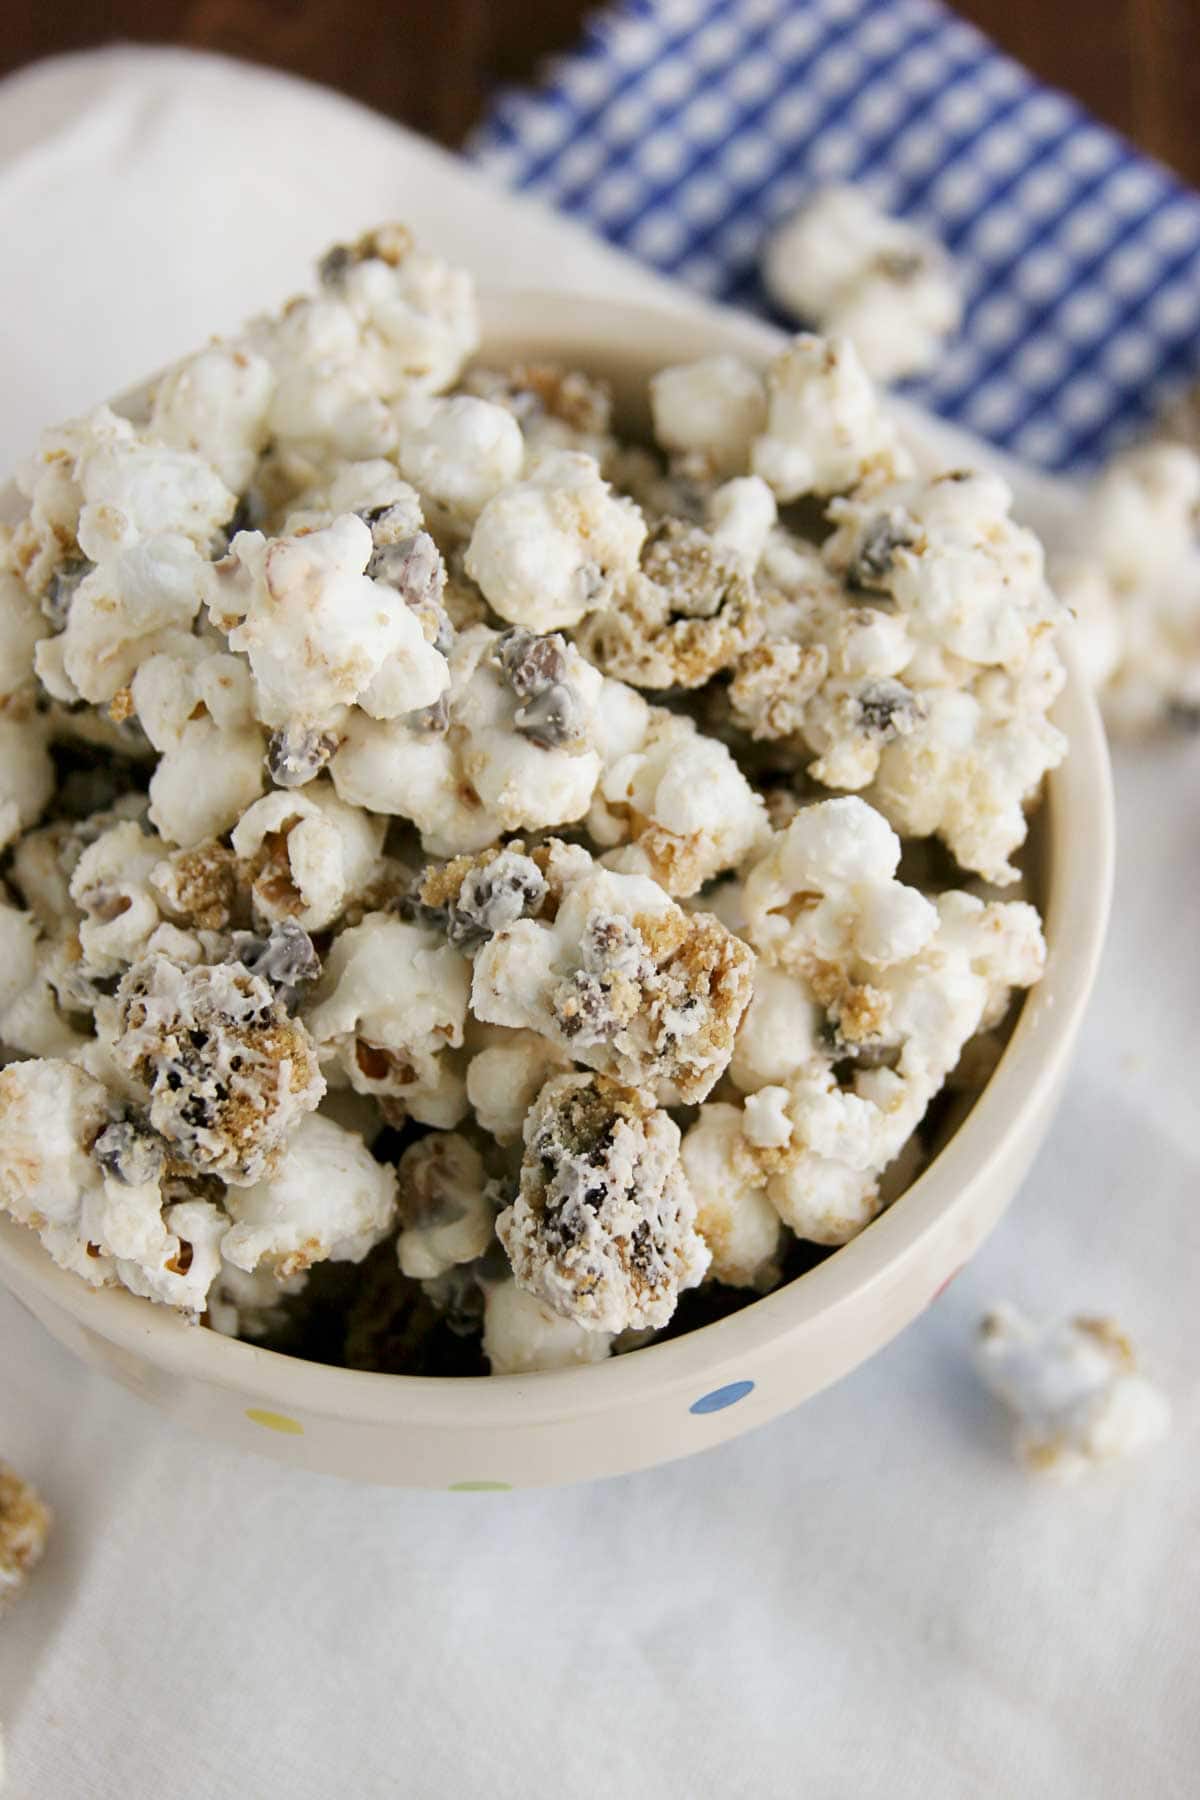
(490,1435)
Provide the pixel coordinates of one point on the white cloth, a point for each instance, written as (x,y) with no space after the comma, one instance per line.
(867,1597)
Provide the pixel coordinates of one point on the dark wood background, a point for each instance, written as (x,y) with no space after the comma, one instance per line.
(432,63)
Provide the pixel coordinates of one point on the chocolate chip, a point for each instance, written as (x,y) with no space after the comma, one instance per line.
(887,710)
(553,718)
(881,537)
(535,667)
(335,265)
(508,888)
(130,1152)
(56,601)
(287,958)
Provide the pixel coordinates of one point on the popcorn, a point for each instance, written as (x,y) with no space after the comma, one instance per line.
(826,893)
(306,854)
(372,489)
(50,1115)
(319,633)
(841,264)
(505,1078)
(825,432)
(1075,1391)
(111,887)
(26,774)
(683,805)
(1133,582)
(251,1304)
(169,1255)
(391,323)
(602,1229)
(556,409)
(390,1006)
(475,897)
(31,1022)
(195,704)
(522,1335)
(326,1199)
(737,1222)
(135,490)
(623,981)
(24,1525)
(446,1212)
(332,649)
(512,753)
(199,887)
(689,612)
(216,404)
(709,411)
(462,454)
(555,546)
(22,626)
(870,976)
(740,515)
(965,576)
(228,1076)
(121,612)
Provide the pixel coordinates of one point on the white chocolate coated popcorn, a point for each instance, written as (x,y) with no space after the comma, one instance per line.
(1074,1389)
(681,804)
(841,264)
(825,429)
(602,1229)
(505,1077)
(1133,582)
(227,1074)
(25,1521)
(446,1212)
(50,1115)
(319,633)
(389,1008)
(514,751)
(216,404)
(623,981)
(327,1197)
(870,976)
(26,774)
(549,549)
(522,1335)
(710,410)
(308,854)
(740,1227)
(463,452)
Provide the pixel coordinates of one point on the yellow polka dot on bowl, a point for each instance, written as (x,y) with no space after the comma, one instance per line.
(273,1421)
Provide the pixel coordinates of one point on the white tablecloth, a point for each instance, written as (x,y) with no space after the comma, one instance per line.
(863,1599)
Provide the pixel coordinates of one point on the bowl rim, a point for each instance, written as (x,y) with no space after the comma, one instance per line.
(1080,802)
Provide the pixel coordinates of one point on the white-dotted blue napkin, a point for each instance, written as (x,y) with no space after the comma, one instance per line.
(682,130)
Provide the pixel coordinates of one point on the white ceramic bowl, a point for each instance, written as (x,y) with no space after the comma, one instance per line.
(687,1394)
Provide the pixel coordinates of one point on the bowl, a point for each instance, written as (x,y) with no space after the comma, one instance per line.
(687,1394)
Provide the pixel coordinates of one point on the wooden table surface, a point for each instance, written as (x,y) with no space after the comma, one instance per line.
(432,63)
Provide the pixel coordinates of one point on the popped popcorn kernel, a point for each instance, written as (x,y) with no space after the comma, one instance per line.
(1075,1391)
(25,1521)
(228,1075)
(602,1229)
(843,265)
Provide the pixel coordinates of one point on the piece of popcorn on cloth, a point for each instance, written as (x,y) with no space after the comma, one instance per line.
(1075,1392)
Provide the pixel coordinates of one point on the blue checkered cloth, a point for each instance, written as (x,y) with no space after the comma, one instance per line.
(683,130)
